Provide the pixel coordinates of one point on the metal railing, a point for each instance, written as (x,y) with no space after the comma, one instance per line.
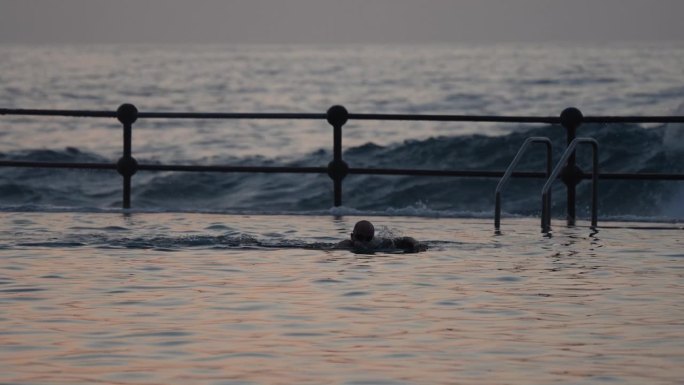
(570,119)
(546,193)
(509,171)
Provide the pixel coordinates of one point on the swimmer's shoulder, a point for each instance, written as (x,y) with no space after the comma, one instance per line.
(409,244)
(345,244)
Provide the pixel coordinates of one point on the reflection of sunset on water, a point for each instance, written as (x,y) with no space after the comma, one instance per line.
(130,300)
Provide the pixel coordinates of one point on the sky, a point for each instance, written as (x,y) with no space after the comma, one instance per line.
(339,21)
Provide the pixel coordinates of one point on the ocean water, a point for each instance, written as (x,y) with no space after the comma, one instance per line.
(232,279)
(489,79)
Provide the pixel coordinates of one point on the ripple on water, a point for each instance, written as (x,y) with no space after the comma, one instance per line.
(327,281)
(376,381)
(355,293)
(508,278)
(22,290)
(474,315)
(56,244)
(356,309)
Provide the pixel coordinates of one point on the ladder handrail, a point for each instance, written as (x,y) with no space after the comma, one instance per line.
(546,195)
(509,171)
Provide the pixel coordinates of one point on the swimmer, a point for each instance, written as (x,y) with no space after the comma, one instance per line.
(363,239)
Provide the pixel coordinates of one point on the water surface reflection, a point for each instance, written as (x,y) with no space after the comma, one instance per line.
(157,298)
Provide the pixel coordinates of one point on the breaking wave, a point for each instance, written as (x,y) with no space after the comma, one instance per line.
(624,148)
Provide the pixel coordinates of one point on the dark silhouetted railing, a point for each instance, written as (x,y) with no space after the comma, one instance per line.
(338,169)
(562,163)
(509,171)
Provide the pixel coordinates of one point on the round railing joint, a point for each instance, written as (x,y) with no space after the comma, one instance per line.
(127,166)
(127,113)
(338,169)
(571,117)
(337,115)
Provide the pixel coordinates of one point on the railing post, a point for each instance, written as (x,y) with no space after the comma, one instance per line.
(127,165)
(546,190)
(571,118)
(337,169)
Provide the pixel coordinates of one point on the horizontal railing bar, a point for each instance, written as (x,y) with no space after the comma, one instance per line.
(457,173)
(169,115)
(635,176)
(633,119)
(72,113)
(457,118)
(239,169)
(324,170)
(273,169)
(318,116)
(31,164)
(231,115)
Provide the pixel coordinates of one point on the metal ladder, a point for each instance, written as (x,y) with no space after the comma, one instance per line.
(509,171)
(546,190)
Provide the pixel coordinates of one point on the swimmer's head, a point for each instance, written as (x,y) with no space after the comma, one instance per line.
(363,231)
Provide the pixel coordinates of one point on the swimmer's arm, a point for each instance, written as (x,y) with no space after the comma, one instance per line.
(409,244)
(346,244)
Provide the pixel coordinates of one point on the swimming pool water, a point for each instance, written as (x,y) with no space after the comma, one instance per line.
(177,298)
